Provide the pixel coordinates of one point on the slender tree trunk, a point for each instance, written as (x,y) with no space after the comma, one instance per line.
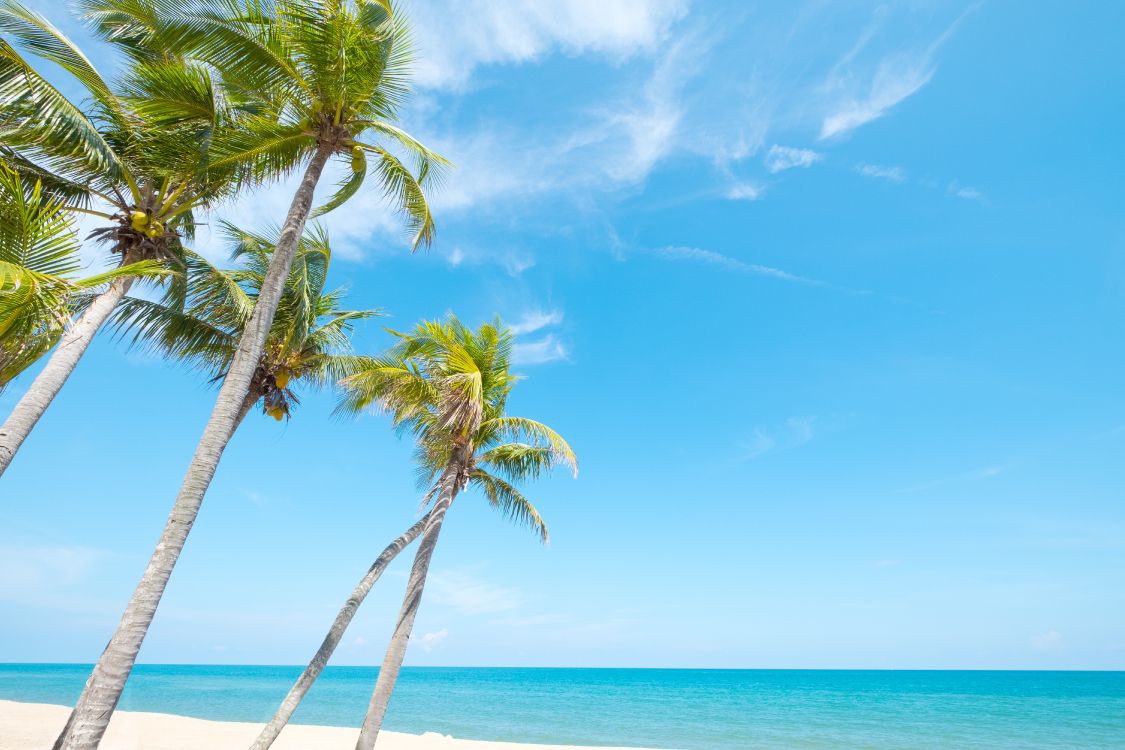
(335,634)
(396,650)
(103,689)
(47,384)
(247,405)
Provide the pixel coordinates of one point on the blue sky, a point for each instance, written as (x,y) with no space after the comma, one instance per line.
(827,297)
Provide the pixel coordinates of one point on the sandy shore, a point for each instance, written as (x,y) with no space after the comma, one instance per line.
(33,726)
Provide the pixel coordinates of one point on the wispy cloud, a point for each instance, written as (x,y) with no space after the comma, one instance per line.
(469,594)
(964,192)
(41,571)
(514,261)
(547,349)
(535,320)
(897,76)
(1046,641)
(454,38)
(759,444)
(712,258)
(745,191)
(430,641)
(985,472)
(896,79)
(894,174)
(780,158)
(651,124)
(801,429)
(795,432)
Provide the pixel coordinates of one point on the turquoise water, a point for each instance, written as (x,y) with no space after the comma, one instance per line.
(688,709)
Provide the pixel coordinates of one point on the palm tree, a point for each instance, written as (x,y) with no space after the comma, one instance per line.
(133,155)
(201,317)
(449,386)
(335,634)
(39,261)
(322,75)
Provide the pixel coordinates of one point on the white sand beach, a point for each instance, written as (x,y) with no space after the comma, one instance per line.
(33,726)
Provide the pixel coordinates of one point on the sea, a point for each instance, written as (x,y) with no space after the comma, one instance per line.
(684,709)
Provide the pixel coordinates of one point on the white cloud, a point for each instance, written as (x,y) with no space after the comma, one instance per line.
(453,37)
(745,191)
(896,78)
(596,145)
(894,174)
(637,136)
(780,158)
(801,429)
(36,571)
(795,432)
(967,193)
(759,444)
(988,471)
(513,260)
(859,99)
(1045,641)
(470,595)
(546,349)
(985,472)
(712,258)
(430,641)
(534,320)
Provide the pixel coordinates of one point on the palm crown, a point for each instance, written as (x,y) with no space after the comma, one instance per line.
(136,153)
(202,314)
(449,385)
(315,73)
(39,263)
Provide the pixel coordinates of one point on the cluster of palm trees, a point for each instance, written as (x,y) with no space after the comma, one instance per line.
(215,98)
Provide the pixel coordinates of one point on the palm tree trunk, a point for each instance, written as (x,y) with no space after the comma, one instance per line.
(247,405)
(335,634)
(60,365)
(396,650)
(103,689)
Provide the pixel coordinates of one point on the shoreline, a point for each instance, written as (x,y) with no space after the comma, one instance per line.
(34,726)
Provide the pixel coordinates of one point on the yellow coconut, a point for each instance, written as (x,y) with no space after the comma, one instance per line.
(357,159)
(139,220)
(281,378)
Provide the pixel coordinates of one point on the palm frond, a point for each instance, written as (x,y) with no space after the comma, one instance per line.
(509,501)
(519,427)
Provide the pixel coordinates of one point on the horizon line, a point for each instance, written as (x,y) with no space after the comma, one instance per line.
(1109,670)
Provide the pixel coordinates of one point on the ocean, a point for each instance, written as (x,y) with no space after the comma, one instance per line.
(687,709)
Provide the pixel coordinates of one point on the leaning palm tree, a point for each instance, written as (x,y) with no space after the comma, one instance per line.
(326,78)
(335,634)
(39,262)
(449,386)
(201,316)
(134,155)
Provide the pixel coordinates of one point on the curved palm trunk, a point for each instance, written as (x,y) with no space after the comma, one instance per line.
(91,716)
(47,384)
(247,405)
(396,650)
(335,634)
